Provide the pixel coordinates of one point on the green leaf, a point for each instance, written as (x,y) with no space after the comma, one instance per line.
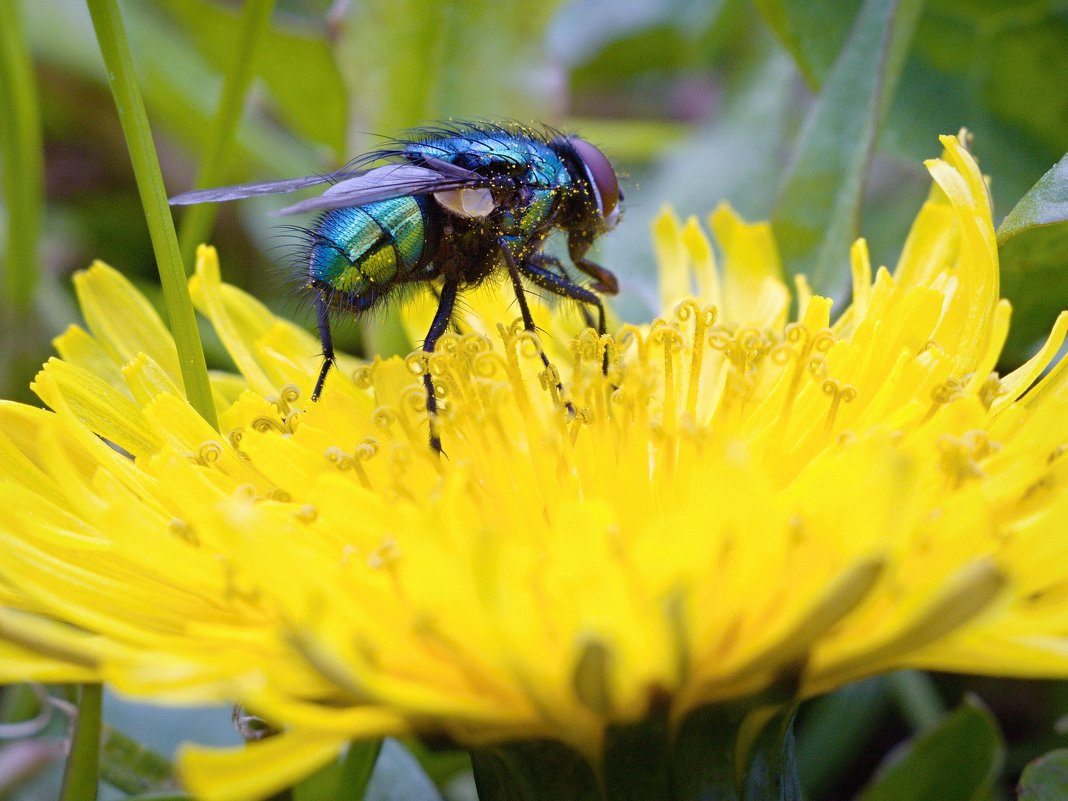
(1046,778)
(1045,205)
(442,765)
(533,770)
(356,769)
(812,30)
(1033,249)
(831,733)
(378,770)
(130,766)
(998,69)
(816,217)
(311,97)
(955,761)
(738,752)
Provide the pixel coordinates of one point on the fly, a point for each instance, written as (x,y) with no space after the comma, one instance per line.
(454,206)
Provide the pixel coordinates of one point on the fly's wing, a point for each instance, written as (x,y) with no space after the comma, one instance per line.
(223,193)
(390,181)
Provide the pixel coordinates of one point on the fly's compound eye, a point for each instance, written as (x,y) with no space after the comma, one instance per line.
(602,177)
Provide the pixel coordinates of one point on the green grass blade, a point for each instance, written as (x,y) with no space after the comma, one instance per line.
(23,165)
(107,22)
(197,221)
(81,777)
(22,171)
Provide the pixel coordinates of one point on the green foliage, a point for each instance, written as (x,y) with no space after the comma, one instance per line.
(957,760)
(813,32)
(1032,243)
(832,734)
(311,98)
(254,26)
(1045,779)
(998,69)
(131,767)
(816,217)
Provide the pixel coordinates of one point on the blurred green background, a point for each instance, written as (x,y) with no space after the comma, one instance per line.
(815,115)
(695,100)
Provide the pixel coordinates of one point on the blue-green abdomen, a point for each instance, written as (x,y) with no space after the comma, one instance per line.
(362,251)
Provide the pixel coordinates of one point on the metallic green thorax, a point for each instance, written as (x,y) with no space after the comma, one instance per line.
(527,159)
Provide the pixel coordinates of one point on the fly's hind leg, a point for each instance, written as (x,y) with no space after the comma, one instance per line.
(322,313)
(446,303)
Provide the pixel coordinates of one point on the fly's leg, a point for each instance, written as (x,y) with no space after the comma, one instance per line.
(446,302)
(455,326)
(553,265)
(322,311)
(528,320)
(603,280)
(538,271)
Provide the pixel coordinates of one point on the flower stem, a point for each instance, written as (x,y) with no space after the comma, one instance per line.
(197,221)
(22,171)
(23,165)
(107,22)
(917,698)
(81,777)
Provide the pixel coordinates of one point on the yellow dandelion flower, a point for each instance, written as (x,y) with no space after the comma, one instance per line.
(746,511)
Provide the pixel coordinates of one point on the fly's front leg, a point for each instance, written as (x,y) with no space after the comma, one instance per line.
(548,273)
(528,319)
(538,271)
(604,281)
(553,265)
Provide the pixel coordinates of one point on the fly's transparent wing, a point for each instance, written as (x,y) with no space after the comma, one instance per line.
(223,193)
(389,181)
